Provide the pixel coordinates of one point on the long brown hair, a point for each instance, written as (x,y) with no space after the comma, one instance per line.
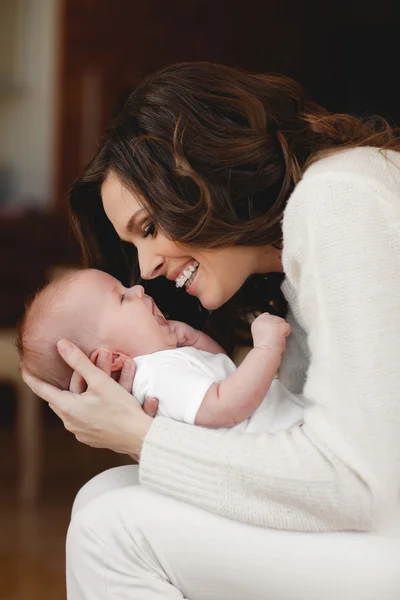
(214,154)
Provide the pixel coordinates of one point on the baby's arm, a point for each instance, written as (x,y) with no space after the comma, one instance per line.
(236,398)
(188,336)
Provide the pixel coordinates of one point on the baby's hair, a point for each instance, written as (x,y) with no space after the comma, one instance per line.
(46,321)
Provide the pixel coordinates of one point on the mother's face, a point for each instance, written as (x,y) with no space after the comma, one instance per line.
(214,276)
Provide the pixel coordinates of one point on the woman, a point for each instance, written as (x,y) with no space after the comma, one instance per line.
(241,174)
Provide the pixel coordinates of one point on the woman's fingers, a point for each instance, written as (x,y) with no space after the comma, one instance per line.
(78,361)
(150,406)
(44,390)
(127,374)
(77,384)
(56,411)
(104,360)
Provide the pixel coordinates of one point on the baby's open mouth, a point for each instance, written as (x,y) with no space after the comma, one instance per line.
(160,319)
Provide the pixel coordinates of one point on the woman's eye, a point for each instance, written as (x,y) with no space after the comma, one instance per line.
(150,230)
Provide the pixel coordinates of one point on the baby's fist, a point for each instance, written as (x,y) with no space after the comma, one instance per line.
(185,334)
(270,331)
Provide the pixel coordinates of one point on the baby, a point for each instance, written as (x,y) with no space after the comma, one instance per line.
(187,371)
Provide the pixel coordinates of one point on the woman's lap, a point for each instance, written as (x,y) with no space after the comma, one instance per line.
(107,481)
(126,541)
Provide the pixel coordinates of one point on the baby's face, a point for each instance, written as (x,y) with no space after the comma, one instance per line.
(127,320)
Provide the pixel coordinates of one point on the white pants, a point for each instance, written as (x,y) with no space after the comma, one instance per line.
(126,542)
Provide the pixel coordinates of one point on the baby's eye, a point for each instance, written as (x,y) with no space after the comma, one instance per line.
(122,297)
(149,230)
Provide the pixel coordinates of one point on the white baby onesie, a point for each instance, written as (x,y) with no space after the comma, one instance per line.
(180,378)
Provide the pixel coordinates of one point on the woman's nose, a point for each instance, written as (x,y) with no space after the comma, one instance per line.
(151,265)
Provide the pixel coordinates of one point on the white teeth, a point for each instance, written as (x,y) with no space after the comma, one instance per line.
(186,274)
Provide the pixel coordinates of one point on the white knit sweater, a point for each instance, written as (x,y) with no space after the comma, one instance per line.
(341,470)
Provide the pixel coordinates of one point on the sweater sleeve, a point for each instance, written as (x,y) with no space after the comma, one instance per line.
(340,470)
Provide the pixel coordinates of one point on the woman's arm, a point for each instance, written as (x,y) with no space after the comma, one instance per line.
(341,469)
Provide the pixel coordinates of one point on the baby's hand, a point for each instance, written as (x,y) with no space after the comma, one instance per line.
(270,332)
(185,334)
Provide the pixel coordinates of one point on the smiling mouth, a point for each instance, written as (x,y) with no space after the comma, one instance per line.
(185,278)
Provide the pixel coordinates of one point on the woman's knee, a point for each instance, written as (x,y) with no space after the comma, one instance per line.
(112,524)
(108,549)
(109,480)
(86,540)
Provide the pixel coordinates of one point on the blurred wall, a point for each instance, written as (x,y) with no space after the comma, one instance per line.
(77,57)
(28,102)
(346,61)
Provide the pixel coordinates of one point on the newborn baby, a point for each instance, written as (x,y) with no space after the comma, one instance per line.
(187,371)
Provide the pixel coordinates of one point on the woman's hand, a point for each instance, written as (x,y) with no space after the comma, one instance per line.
(106,415)
(103,358)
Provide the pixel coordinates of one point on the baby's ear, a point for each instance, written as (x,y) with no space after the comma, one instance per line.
(118,360)
(94,356)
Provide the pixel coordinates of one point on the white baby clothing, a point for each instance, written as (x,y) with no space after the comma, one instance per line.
(180,378)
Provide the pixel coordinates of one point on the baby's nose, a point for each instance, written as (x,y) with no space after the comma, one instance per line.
(137,290)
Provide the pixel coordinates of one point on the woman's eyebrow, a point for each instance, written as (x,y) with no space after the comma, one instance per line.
(131,223)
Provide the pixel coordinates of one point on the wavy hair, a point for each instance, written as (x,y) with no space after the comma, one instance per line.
(213,153)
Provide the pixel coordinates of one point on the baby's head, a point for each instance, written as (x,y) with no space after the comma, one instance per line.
(92,309)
